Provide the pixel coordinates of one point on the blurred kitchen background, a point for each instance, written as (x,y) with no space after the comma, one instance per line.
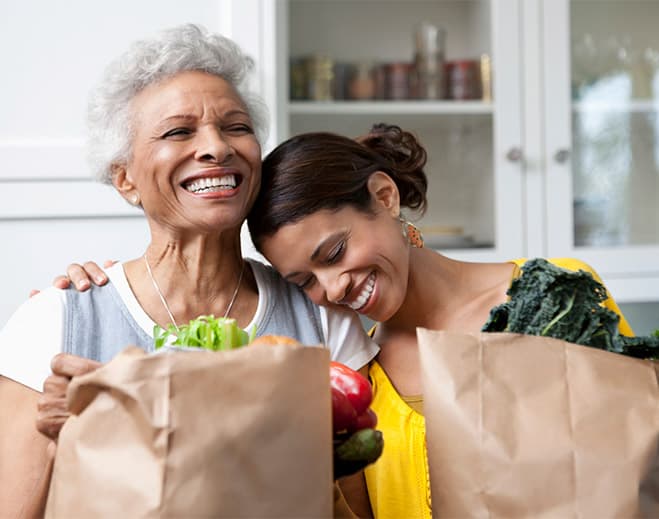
(540,118)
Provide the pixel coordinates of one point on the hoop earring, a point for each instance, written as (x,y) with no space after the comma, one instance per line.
(411,233)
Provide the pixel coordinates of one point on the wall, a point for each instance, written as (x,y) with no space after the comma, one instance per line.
(51,212)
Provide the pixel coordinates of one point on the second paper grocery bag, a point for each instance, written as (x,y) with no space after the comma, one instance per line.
(526,426)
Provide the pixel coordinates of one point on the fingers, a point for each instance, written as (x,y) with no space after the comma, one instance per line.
(34,292)
(82,275)
(61,282)
(52,410)
(95,273)
(67,365)
(76,273)
(109,263)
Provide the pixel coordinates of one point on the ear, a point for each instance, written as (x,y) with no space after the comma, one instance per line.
(123,182)
(384,192)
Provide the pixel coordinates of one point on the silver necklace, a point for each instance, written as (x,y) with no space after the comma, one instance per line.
(164,301)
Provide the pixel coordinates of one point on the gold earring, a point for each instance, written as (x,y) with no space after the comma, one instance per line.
(411,233)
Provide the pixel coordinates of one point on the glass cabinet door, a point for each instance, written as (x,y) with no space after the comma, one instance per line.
(430,67)
(602,95)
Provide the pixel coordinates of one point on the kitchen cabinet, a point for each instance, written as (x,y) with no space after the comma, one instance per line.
(563,160)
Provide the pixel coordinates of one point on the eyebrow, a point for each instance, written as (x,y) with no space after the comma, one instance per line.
(178,117)
(191,117)
(316,252)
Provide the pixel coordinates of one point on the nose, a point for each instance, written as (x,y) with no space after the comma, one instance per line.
(212,146)
(336,285)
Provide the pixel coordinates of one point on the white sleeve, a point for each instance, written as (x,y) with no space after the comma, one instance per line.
(32,337)
(346,338)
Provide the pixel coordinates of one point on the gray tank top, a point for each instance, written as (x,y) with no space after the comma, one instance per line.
(98,324)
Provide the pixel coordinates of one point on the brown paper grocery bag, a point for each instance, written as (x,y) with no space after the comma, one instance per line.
(242,433)
(525,426)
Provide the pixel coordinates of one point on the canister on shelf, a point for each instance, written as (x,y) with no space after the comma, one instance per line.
(463,79)
(486,77)
(343,73)
(362,82)
(380,80)
(397,80)
(298,79)
(320,74)
(429,82)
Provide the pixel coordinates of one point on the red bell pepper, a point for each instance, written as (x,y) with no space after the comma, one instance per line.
(349,385)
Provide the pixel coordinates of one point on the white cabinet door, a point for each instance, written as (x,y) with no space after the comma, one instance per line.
(601,70)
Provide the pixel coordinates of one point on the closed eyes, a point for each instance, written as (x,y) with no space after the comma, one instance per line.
(236,129)
(176,132)
(336,253)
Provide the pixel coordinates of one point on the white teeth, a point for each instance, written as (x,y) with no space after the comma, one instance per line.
(365,294)
(212,184)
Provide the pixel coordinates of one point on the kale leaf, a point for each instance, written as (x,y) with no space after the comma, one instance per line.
(553,302)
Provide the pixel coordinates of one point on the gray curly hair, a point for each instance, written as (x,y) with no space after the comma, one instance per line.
(174,50)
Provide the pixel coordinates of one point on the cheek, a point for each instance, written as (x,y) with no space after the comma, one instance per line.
(255,157)
(163,156)
(147,166)
(250,149)
(317,295)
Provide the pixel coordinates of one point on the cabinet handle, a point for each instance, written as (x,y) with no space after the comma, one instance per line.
(561,156)
(514,154)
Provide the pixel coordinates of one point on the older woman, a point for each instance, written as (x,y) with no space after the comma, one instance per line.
(174,131)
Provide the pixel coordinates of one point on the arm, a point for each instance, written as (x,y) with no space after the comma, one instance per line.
(27,342)
(355,494)
(26,455)
(26,459)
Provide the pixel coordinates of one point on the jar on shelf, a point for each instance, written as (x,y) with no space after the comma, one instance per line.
(429,82)
(343,73)
(380,81)
(320,75)
(298,79)
(397,80)
(463,79)
(486,77)
(362,82)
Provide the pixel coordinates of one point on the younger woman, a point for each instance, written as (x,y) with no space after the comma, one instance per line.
(328,218)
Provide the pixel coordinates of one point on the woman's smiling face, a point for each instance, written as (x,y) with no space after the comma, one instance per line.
(346,257)
(195,161)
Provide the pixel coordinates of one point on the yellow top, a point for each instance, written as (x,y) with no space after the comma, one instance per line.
(398,483)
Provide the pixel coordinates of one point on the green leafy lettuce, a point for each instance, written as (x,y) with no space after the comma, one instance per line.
(550,301)
(206,332)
